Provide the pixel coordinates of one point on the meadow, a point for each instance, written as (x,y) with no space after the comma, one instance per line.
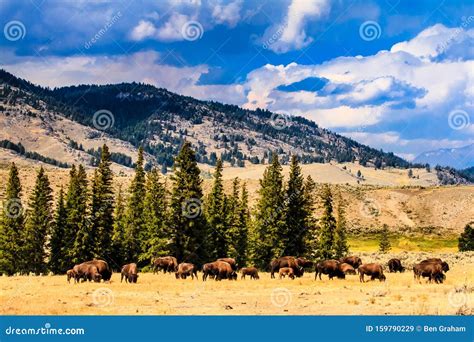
(162,294)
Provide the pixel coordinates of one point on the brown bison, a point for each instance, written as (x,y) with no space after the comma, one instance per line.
(70,274)
(354,261)
(165,264)
(431,270)
(230,261)
(395,265)
(286,261)
(347,269)
(305,263)
(444,264)
(375,271)
(130,273)
(329,267)
(225,271)
(186,269)
(286,271)
(250,271)
(209,270)
(102,267)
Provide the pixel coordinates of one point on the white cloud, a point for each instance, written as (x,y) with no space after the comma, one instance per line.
(291,33)
(227,13)
(145,29)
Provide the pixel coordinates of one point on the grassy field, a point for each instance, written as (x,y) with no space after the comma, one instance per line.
(162,294)
(448,243)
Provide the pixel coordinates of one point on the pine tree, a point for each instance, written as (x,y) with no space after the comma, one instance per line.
(296,213)
(232,219)
(312,238)
(118,235)
(11,225)
(242,235)
(38,225)
(78,225)
(156,239)
(466,239)
(340,239)
(102,207)
(270,219)
(216,213)
(327,225)
(135,220)
(188,226)
(384,244)
(58,253)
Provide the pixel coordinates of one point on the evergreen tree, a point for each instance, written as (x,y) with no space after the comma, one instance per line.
(216,213)
(135,221)
(242,235)
(102,207)
(38,225)
(156,241)
(232,217)
(11,225)
(327,225)
(340,239)
(118,235)
(270,218)
(384,244)
(188,226)
(58,254)
(77,220)
(296,213)
(466,239)
(312,238)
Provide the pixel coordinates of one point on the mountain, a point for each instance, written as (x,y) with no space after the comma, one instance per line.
(458,158)
(69,124)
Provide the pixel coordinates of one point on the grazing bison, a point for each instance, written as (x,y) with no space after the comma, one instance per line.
(250,271)
(395,265)
(130,273)
(375,271)
(286,261)
(444,264)
(354,261)
(347,269)
(186,269)
(286,271)
(225,271)
(102,267)
(70,274)
(230,261)
(92,274)
(165,264)
(431,270)
(329,267)
(209,270)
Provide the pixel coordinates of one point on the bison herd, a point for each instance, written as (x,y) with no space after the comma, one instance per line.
(294,267)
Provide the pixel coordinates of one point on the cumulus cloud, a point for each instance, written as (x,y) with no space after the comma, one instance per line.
(291,33)
(227,13)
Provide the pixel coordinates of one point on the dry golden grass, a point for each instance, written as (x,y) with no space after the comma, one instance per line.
(162,294)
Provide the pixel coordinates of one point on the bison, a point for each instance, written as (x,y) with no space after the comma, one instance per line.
(230,261)
(395,265)
(102,267)
(431,270)
(286,271)
(186,269)
(375,271)
(225,271)
(354,261)
(70,274)
(444,264)
(347,269)
(305,263)
(165,264)
(329,267)
(250,271)
(286,261)
(130,273)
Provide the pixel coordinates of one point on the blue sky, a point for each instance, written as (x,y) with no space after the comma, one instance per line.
(394,74)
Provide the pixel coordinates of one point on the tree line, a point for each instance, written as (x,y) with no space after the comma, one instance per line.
(167,216)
